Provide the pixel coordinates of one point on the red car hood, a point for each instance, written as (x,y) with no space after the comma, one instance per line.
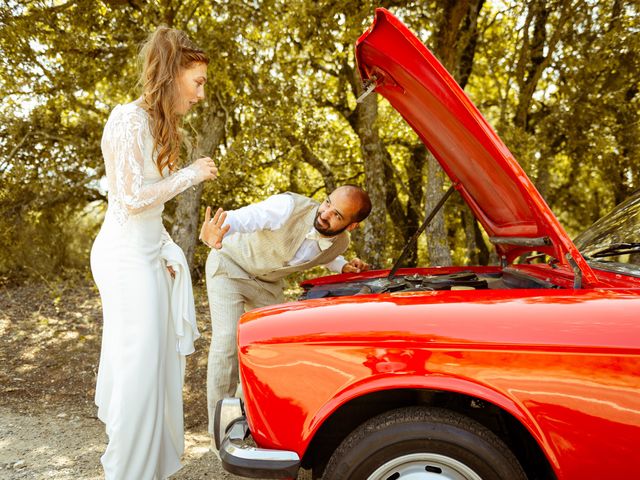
(502,197)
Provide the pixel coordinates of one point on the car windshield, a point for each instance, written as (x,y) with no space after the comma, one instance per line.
(613,242)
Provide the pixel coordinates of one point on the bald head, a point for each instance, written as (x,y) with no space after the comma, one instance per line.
(358,200)
(343,209)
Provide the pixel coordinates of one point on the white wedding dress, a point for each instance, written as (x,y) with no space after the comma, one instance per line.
(145,337)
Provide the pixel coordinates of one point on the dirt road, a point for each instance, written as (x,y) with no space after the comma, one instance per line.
(49,348)
(67,446)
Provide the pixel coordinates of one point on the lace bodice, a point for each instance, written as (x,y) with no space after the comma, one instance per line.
(134,182)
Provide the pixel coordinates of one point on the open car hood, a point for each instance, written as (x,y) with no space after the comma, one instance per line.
(498,191)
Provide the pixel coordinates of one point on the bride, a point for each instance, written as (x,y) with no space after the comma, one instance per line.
(142,276)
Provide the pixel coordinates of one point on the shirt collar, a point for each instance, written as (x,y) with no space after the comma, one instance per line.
(323,242)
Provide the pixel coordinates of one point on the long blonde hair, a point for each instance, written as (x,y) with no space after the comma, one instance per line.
(163,56)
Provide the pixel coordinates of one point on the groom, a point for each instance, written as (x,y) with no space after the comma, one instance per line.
(265,242)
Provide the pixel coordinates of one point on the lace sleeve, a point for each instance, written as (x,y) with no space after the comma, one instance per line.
(126,138)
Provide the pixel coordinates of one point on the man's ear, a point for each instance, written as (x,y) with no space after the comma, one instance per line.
(352,226)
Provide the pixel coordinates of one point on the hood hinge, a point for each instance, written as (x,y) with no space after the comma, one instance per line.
(368,87)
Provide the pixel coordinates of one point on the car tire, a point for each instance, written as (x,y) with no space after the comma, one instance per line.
(425,443)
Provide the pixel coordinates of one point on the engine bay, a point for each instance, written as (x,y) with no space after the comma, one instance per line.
(464,280)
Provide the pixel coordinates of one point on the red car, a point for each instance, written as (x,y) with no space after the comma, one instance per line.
(526,370)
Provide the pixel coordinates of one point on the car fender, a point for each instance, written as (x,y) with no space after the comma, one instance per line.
(441,383)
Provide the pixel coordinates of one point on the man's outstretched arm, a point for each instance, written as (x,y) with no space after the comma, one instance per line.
(269,214)
(213,229)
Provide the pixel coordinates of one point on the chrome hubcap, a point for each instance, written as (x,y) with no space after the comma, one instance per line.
(424,466)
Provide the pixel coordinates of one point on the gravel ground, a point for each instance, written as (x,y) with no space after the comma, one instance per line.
(49,349)
(67,446)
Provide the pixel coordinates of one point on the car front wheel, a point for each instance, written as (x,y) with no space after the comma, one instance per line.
(422,443)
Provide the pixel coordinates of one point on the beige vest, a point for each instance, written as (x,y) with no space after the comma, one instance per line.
(264,254)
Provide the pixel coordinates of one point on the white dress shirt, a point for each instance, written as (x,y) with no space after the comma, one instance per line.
(270,214)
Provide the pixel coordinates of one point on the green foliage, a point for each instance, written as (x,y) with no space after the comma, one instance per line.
(580,146)
(283,75)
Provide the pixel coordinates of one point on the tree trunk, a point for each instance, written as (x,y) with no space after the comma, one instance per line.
(437,244)
(415,174)
(538,47)
(455,44)
(468,43)
(468,40)
(536,53)
(373,154)
(394,206)
(185,228)
(625,116)
(468,221)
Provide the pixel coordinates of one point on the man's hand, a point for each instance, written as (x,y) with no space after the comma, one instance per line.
(355,266)
(212,230)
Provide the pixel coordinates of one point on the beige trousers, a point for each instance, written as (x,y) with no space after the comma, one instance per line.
(229,298)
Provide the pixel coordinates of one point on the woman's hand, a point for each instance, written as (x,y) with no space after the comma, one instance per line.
(212,230)
(171,271)
(205,168)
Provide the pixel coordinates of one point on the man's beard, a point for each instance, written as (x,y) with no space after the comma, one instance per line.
(327,232)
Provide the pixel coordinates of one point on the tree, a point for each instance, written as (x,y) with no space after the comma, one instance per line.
(557,79)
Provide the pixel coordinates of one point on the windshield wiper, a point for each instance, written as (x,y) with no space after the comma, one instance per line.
(615,249)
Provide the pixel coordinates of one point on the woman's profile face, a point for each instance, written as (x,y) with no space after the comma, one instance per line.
(190,83)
